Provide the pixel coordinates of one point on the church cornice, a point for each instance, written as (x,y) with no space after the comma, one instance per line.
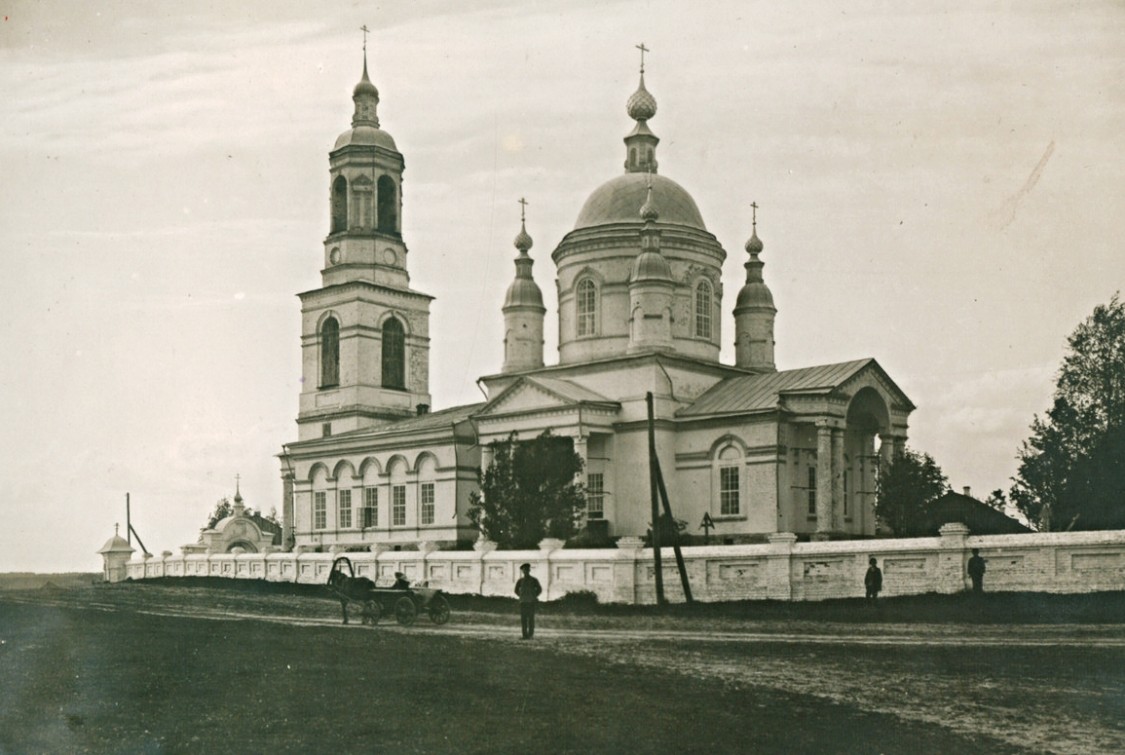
(365,285)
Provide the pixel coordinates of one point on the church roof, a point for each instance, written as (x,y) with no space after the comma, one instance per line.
(748,393)
(617,200)
(427,421)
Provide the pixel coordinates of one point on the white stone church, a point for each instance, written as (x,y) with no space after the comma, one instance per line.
(640,310)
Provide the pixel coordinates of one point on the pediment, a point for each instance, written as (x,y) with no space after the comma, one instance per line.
(530,395)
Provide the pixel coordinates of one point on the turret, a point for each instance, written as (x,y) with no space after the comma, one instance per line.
(523,310)
(754,312)
(650,289)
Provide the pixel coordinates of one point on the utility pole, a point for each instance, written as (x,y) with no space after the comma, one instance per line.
(653,472)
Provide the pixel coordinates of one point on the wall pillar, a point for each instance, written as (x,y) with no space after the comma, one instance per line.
(837,479)
(779,566)
(823,480)
(952,559)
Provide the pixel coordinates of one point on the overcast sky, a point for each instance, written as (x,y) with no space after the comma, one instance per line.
(941,187)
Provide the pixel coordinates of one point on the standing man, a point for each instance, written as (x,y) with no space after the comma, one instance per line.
(976,571)
(528,589)
(873,580)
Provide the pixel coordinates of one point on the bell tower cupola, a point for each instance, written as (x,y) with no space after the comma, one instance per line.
(365,341)
(365,193)
(754,312)
(523,310)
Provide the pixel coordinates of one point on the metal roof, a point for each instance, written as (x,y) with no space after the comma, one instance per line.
(429,421)
(747,393)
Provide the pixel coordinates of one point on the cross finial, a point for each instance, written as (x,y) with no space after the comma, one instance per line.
(365,31)
(754,222)
(643,50)
(237,480)
(115,530)
(523,207)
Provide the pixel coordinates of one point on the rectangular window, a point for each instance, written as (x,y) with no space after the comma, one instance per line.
(427,491)
(344,506)
(846,512)
(320,511)
(595,495)
(370,507)
(728,491)
(398,505)
(812,492)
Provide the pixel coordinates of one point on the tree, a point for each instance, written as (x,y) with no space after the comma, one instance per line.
(529,492)
(906,488)
(1072,468)
(222,509)
(997,500)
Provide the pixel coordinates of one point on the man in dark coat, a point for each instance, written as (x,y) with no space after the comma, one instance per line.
(976,571)
(401,583)
(873,580)
(528,589)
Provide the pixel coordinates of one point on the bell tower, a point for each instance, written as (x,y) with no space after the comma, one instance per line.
(365,333)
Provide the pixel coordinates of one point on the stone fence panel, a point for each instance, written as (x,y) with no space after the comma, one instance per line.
(782,569)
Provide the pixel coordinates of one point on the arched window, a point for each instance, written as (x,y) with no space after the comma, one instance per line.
(633,156)
(388,205)
(586,303)
(339,204)
(703,309)
(729,467)
(394,355)
(330,353)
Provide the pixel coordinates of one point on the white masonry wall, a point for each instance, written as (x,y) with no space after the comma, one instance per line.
(783,569)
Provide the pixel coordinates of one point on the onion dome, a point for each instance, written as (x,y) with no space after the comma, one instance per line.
(365,131)
(523,292)
(365,88)
(755,293)
(641,105)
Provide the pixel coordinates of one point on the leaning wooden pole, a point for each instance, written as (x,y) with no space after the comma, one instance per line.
(675,538)
(653,471)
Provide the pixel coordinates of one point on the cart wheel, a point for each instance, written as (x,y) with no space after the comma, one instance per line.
(371,612)
(405,612)
(438,610)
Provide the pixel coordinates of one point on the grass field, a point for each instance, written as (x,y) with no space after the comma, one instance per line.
(164,668)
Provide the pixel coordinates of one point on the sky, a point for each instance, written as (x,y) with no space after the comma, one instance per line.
(941,187)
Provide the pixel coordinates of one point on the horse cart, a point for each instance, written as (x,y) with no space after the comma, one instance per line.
(373,601)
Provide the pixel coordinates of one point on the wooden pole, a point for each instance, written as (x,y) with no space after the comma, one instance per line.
(653,471)
(675,538)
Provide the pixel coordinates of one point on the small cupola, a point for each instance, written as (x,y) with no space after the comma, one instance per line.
(640,144)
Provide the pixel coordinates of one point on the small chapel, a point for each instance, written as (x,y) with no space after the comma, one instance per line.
(753,449)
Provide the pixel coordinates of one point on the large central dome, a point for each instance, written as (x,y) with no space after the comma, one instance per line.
(617,201)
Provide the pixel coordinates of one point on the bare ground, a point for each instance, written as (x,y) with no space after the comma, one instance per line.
(857,686)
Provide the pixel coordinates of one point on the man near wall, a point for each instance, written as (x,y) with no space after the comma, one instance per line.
(528,589)
(976,571)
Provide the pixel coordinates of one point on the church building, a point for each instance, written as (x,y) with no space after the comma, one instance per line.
(640,309)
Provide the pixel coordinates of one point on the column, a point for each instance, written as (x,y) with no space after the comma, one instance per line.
(580,448)
(865,504)
(886,450)
(837,479)
(823,479)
